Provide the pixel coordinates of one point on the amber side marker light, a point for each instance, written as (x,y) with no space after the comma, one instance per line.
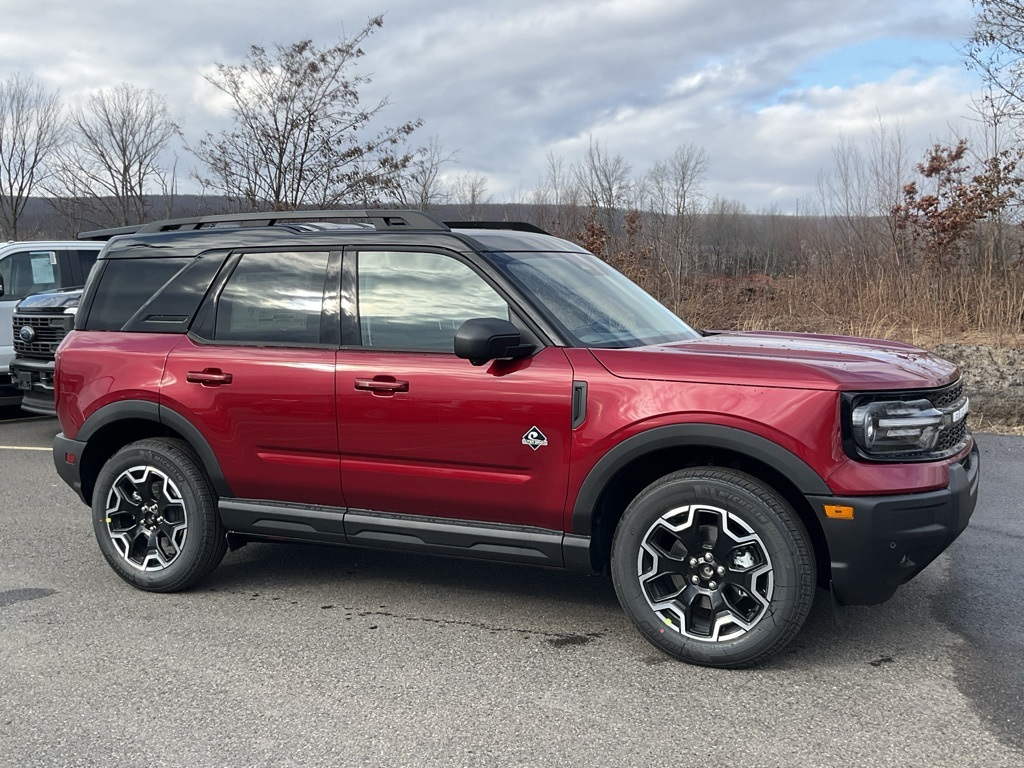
(838,513)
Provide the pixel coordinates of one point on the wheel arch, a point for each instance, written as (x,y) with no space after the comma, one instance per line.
(640,460)
(116,425)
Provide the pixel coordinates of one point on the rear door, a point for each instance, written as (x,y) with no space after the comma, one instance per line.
(256,376)
(422,432)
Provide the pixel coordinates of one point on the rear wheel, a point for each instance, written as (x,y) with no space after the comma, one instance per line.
(713,567)
(155,516)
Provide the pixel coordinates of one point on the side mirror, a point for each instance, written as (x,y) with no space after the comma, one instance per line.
(483,339)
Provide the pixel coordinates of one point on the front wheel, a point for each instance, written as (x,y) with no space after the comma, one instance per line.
(155,516)
(713,567)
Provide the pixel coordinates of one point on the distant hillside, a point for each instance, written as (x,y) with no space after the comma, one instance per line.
(43,220)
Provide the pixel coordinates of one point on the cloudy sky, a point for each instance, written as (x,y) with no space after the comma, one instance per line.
(765,87)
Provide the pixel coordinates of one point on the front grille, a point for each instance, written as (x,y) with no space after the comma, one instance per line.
(947,395)
(908,519)
(951,437)
(47,335)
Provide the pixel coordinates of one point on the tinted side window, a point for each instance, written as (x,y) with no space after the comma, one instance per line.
(87,260)
(274,298)
(125,285)
(28,272)
(419,300)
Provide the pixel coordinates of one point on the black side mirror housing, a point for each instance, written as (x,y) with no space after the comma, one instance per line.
(483,339)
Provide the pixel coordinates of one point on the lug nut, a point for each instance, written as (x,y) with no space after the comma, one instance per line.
(712,585)
(721,570)
(708,557)
(694,580)
(693,562)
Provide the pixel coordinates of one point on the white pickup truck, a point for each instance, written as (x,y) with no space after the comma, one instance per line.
(29,267)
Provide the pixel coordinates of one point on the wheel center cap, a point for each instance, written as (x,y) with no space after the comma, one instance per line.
(707,571)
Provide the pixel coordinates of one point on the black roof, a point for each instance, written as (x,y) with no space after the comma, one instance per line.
(184,237)
(379,220)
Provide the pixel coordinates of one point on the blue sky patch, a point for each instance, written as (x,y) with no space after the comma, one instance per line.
(875,61)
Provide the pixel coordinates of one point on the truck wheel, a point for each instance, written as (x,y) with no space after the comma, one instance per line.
(155,516)
(713,567)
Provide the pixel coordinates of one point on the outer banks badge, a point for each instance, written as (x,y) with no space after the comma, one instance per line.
(534,438)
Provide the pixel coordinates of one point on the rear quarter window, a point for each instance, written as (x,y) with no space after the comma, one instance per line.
(124,286)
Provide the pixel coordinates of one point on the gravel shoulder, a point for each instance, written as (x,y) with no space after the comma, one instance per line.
(994,377)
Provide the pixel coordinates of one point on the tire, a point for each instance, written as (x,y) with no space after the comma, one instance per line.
(713,567)
(155,516)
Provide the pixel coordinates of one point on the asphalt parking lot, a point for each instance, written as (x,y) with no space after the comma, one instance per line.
(314,656)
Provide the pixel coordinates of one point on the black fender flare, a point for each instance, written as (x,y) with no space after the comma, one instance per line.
(738,441)
(145,410)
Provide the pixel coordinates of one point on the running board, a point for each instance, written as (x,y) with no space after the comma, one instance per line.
(447,537)
(411,533)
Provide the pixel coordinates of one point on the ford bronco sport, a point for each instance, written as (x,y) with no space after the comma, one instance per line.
(382,379)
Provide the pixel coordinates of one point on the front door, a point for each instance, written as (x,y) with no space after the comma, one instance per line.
(422,432)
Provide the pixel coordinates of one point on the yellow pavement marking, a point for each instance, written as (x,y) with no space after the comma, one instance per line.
(23,448)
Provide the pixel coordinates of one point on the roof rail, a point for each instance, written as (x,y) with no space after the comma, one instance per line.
(516,226)
(106,234)
(381,220)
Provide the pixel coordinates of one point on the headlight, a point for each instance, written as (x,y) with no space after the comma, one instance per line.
(888,427)
(907,426)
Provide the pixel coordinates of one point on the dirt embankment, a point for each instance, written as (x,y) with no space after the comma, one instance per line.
(994,378)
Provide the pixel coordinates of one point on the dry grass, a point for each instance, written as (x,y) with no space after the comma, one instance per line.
(918,310)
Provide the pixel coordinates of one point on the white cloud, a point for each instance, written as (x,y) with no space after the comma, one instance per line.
(505,83)
(210,99)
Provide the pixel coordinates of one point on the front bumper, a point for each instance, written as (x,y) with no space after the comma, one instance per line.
(9,394)
(67,458)
(890,539)
(35,380)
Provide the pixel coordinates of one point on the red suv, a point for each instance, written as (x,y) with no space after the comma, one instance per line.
(382,379)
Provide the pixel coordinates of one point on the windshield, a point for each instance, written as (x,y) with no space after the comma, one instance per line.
(592,303)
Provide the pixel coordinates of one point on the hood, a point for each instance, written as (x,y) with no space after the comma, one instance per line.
(796,360)
(62,299)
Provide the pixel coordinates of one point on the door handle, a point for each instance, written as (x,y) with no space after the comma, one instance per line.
(382,385)
(208,377)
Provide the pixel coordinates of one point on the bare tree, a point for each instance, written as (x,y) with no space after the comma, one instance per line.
(723,234)
(115,161)
(31,129)
(859,194)
(469,192)
(423,187)
(996,50)
(994,133)
(606,187)
(557,198)
(889,169)
(846,195)
(674,198)
(301,136)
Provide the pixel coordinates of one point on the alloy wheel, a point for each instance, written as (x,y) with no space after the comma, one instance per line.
(705,573)
(146,518)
